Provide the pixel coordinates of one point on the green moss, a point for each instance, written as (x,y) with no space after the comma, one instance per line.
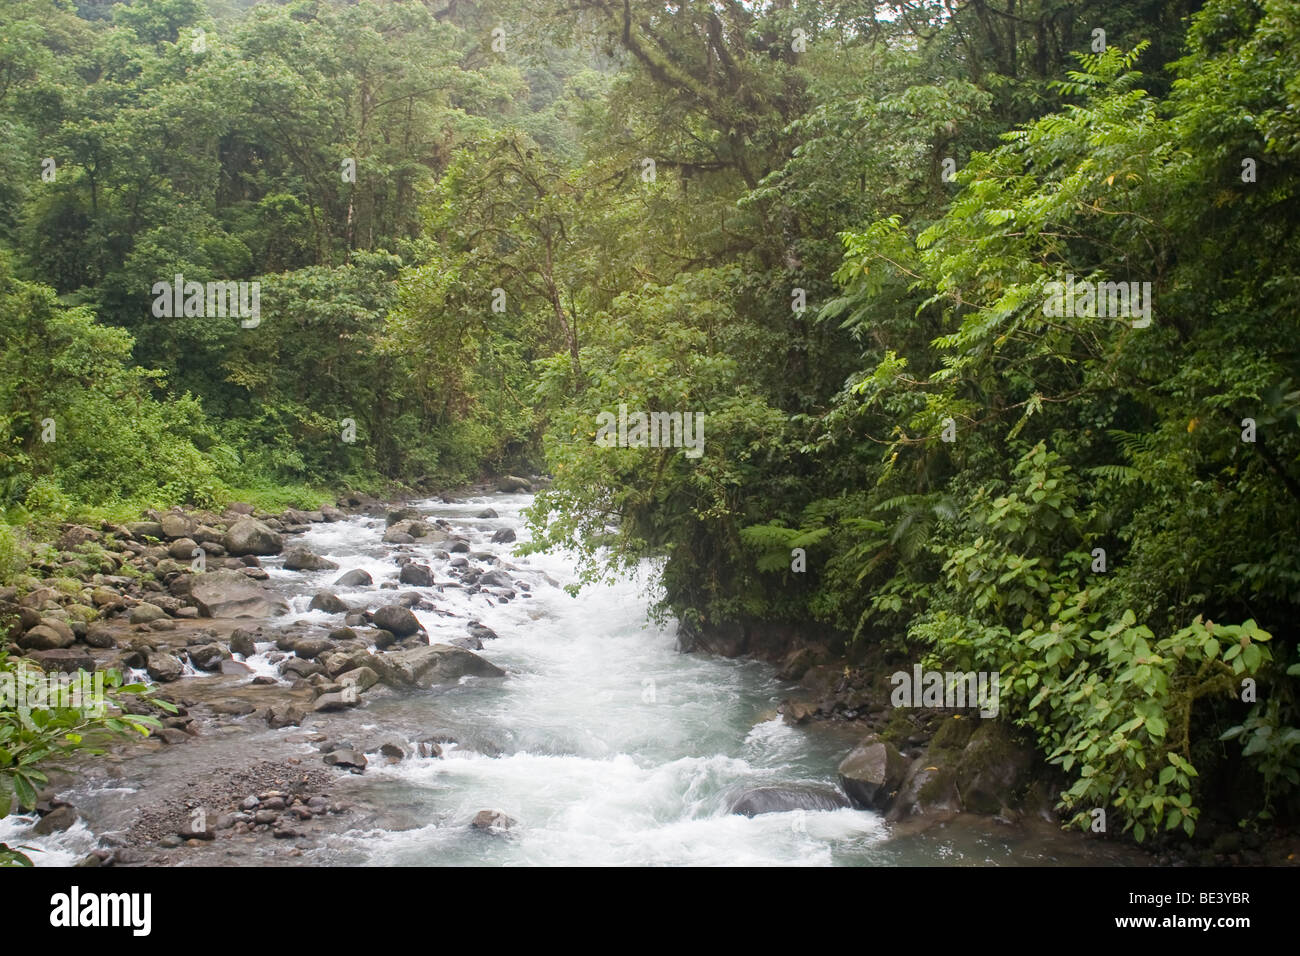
(898,729)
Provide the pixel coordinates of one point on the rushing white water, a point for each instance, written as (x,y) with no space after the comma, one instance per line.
(603,743)
(607,745)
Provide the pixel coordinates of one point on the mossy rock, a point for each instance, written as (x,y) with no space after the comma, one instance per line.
(899,728)
(80,612)
(952,736)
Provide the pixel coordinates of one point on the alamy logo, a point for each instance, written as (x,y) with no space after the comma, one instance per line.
(74,909)
(657,430)
(937,689)
(211,300)
(1118,300)
(26,689)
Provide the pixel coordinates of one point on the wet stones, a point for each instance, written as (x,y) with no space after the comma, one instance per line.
(242,642)
(397,620)
(349,760)
(355,578)
(250,536)
(225,593)
(872,773)
(300,559)
(416,575)
(163,668)
(328,602)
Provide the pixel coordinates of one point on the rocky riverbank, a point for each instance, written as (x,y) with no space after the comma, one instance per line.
(330,672)
(184,600)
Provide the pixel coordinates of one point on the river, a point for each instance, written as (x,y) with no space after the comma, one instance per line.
(604,744)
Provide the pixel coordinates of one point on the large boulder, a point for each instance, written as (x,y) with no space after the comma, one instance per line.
(44,637)
(228,593)
(512,483)
(872,773)
(992,770)
(300,559)
(755,800)
(328,602)
(145,529)
(66,660)
(243,641)
(250,536)
(495,579)
(175,525)
(144,612)
(426,667)
(356,578)
(164,668)
(416,575)
(402,514)
(396,620)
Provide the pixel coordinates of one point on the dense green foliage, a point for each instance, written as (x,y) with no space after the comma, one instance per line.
(950,455)
(745,211)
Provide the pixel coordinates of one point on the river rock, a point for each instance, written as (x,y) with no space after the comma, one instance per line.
(60,818)
(513,483)
(872,772)
(300,667)
(335,701)
(65,660)
(43,637)
(756,800)
(495,579)
(491,820)
(362,678)
(284,715)
(163,668)
(227,593)
(208,657)
(328,602)
(416,575)
(346,759)
(356,578)
(250,536)
(401,514)
(480,631)
(397,620)
(487,513)
(300,559)
(145,612)
(242,641)
(182,549)
(504,536)
(145,529)
(100,634)
(425,667)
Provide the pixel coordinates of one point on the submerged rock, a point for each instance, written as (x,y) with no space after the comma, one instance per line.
(491,820)
(756,800)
